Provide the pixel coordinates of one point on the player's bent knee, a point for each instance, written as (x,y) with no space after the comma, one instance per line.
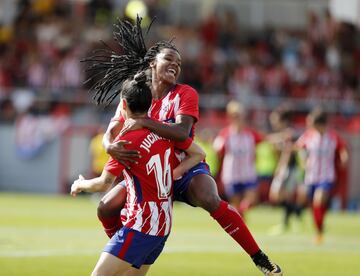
(210,202)
(101,210)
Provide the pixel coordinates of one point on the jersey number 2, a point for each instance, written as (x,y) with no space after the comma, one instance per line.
(162,173)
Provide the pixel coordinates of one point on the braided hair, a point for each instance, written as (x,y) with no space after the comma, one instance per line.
(109,68)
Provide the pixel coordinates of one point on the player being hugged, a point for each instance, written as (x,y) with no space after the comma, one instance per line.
(149,184)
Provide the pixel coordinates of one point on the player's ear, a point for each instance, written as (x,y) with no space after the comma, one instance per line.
(152,63)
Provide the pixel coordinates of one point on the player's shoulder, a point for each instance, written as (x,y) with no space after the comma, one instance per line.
(185,88)
(306,136)
(310,132)
(250,130)
(334,134)
(134,136)
(225,132)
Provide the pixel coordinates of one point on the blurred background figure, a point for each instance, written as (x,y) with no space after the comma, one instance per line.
(235,145)
(205,138)
(288,175)
(320,147)
(265,164)
(99,157)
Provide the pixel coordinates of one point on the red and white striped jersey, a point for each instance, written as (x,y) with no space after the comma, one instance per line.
(182,99)
(238,151)
(149,183)
(321,151)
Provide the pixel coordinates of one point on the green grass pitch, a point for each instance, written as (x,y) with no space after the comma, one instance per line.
(60,235)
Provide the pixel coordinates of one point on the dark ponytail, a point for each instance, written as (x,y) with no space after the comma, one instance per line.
(137,93)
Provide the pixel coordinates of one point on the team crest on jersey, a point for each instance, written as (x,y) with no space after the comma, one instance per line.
(165,109)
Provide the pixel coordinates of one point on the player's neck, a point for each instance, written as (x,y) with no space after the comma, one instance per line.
(135,116)
(138,116)
(321,130)
(160,89)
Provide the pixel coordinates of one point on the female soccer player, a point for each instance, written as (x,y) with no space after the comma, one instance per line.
(236,145)
(177,106)
(321,145)
(288,174)
(149,185)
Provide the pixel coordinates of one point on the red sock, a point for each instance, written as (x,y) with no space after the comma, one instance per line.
(233,224)
(319,214)
(111,224)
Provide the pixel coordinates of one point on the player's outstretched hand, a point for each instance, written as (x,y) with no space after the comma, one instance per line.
(76,186)
(122,155)
(131,124)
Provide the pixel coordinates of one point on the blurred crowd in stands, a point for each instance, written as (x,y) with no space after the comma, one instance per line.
(43,41)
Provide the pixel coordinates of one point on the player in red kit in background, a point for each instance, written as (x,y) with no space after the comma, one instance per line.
(149,185)
(177,105)
(235,145)
(320,146)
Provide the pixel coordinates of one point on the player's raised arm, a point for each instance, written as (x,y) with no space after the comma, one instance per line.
(117,149)
(112,131)
(97,184)
(195,155)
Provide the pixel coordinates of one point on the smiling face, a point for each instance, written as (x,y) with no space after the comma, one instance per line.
(167,66)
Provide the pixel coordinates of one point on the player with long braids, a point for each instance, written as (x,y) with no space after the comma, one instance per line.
(177,106)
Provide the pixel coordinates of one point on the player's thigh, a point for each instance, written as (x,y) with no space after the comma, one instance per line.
(202,192)
(109,265)
(138,272)
(113,201)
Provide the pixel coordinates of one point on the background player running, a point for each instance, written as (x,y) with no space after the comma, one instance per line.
(320,147)
(289,174)
(176,104)
(235,145)
(149,185)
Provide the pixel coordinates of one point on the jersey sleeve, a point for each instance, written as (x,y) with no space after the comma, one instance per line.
(183,145)
(189,103)
(114,167)
(340,143)
(258,137)
(302,141)
(219,142)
